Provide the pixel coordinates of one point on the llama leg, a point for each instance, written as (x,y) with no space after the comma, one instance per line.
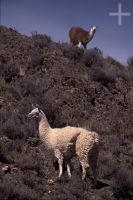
(84,46)
(93,157)
(95,176)
(59,156)
(60,161)
(85,166)
(95,173)
(68,169)
(79,44)
(83,159)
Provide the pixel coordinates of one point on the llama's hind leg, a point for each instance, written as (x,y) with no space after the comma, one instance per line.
(93,158)
(83,159)
(85,166)
(82,154)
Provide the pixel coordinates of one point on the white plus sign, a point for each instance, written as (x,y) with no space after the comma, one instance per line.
(119,14)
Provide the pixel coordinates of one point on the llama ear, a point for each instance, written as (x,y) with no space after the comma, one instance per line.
(37,106)
(33,106)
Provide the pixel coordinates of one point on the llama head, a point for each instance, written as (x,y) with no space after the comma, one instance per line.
(35,113)
(93,28)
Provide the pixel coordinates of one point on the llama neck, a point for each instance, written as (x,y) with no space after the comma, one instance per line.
(44,129)
(91,33)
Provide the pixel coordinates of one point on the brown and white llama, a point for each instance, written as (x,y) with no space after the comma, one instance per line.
(79,36)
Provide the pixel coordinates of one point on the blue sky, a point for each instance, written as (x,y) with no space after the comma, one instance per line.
(55,17)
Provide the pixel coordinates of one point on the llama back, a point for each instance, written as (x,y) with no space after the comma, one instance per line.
(77,34)
(86,140)
(61,137)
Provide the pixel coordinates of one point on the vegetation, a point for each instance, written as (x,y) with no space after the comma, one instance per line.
(75,87)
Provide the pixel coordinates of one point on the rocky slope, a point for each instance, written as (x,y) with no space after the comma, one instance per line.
(72,87)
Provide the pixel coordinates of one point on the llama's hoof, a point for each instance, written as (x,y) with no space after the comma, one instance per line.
(69,177)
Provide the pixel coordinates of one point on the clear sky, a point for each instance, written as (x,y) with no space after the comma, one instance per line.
(55,17)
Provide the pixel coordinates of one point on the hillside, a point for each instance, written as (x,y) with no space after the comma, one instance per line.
(74,88)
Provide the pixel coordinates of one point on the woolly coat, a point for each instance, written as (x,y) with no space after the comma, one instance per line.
(69,140)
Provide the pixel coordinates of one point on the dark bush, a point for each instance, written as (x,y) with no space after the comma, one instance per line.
(10,188)
(93,57)
(100,76)
(108,165)
(112,61)
(123,187)
(40,40)
(71,52)
(35,59)
(130,61)
(8,72)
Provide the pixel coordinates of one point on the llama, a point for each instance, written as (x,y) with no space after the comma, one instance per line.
(79,36)
(69,142)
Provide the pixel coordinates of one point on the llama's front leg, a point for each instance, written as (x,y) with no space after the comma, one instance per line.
(60,161)
(59,156)
(79,44)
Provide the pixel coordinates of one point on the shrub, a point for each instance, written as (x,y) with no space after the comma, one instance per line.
(40,40)
(12,130)
(8,71)
(35,58)
(108,165)
(112,61)
(71,52)
(122,185)
(3,85)
(105,79)
(93,57)
(130,61)
(10,188)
